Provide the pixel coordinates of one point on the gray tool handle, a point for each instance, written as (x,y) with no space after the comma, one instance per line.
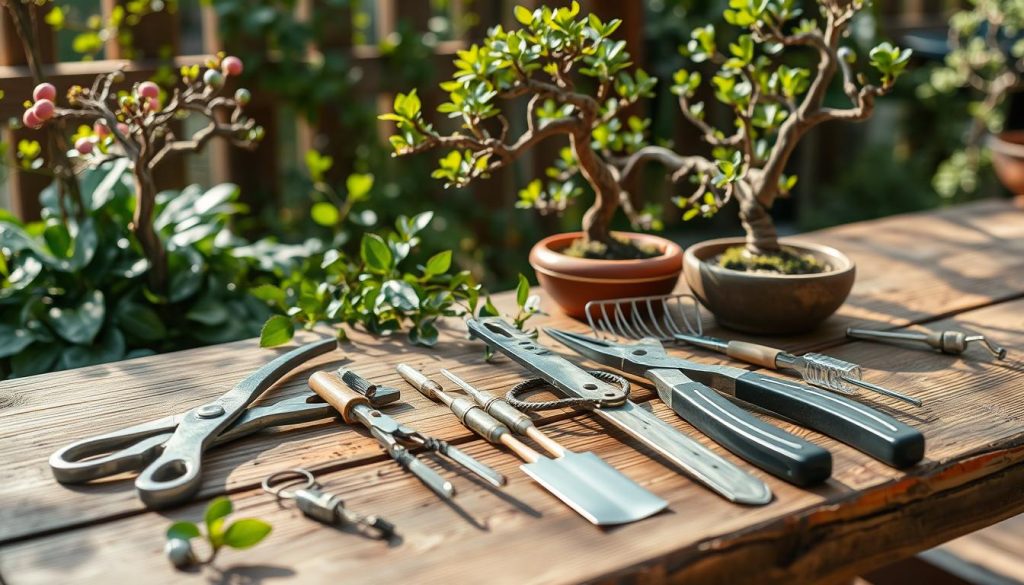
(519,422)
(477,420)
(766,446)
(855,424)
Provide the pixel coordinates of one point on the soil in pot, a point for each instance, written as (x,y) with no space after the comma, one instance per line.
(619,249)
(786,261)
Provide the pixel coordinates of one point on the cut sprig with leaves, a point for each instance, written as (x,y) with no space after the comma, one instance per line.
(217,533)
(381,289)
(774,102)
(577,79)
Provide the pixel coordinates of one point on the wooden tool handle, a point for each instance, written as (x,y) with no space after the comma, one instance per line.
(547,443)
(760,355)
(337,394)
(520,448)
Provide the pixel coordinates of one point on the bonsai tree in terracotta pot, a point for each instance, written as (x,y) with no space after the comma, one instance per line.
(759,284)
(986,57)
(575,80)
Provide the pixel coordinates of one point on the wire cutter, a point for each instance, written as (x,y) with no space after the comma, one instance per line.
(685,386)
(346,393)
(168,451)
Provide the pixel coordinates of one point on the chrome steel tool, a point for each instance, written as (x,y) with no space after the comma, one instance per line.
(321,505)
(697,461)
(169,450)
(583,482)
(820,370)
(951,342)
(855,424)
(394,437)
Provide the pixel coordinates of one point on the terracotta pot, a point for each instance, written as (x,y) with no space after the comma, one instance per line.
(763,303)
(1008,159)
(573,282)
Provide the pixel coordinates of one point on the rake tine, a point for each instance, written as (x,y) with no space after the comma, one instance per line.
(607,321)
(634,312)
(654,321)
(623,324)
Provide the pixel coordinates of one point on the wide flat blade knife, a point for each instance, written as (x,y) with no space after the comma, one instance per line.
(696,460)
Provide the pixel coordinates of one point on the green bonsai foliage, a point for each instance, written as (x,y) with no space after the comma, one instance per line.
(773,104)
(984,60)
(576,79)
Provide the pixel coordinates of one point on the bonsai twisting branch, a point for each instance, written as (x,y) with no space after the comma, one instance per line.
(138,127)
(535,62)
(774,107)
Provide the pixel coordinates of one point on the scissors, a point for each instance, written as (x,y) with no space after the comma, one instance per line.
(168,451)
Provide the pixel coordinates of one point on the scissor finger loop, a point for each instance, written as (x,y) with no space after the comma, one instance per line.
(289,477)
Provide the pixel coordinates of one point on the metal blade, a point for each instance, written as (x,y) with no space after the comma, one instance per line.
(482,471)
(594,490)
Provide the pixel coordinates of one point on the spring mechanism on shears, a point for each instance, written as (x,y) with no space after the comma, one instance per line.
(826,371)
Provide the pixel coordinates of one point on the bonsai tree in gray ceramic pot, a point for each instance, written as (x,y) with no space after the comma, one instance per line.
(773,106)
(757,284)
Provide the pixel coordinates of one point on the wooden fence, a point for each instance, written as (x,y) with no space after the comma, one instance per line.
(260,171)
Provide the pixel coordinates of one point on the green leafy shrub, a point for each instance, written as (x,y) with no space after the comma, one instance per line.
(74,291)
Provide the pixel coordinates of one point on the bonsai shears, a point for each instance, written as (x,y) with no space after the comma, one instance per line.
(168,451)
(685,386)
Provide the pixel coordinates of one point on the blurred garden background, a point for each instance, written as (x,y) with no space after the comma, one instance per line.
(319,73)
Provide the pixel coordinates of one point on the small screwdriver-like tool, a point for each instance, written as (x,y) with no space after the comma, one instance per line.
(948,342)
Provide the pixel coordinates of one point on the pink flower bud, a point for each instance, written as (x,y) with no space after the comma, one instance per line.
(101,129)
(153,104)
(83,145)
(44,91)
(123,128)
(213,78)
(231,66)
(43,109)
(30,120)
(148,89)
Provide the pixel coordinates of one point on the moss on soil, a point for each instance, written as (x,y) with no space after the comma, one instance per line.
(619,249)
(787,261)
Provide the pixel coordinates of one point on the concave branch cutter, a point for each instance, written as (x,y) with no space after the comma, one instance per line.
(686,387)
(694,459)
(169,450)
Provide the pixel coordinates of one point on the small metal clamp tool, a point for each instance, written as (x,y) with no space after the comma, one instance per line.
(323,506)
(949,342)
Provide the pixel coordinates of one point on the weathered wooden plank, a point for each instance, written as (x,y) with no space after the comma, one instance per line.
(867,514)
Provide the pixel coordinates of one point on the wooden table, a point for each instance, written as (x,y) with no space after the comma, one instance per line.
(959,268)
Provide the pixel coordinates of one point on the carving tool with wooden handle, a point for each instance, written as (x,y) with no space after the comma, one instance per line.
(394,437)
(586,484)
(817,369)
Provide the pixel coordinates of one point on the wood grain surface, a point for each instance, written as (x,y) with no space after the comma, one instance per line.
(960,268)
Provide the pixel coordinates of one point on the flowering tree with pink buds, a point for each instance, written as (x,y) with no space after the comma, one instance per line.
(136,124)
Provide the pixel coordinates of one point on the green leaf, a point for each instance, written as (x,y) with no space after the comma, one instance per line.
(246,532)
(208,311)
(524,15)
(141,322)
(522,291)
(376,254)
(183,530)
(438,264)
(218,508)
(12,340)
(268,293)
(81,323)
(276,331)
(358,186)
(400,295)
(325,214)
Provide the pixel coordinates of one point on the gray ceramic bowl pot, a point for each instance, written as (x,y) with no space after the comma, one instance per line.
(763,303)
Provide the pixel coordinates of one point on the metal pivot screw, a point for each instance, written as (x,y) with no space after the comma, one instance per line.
(949,342)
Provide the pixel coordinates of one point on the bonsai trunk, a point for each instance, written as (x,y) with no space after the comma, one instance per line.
(142,227)
(597,220)
(757,222)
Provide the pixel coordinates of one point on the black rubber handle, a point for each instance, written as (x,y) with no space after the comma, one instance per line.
(853,423)
(768,447)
